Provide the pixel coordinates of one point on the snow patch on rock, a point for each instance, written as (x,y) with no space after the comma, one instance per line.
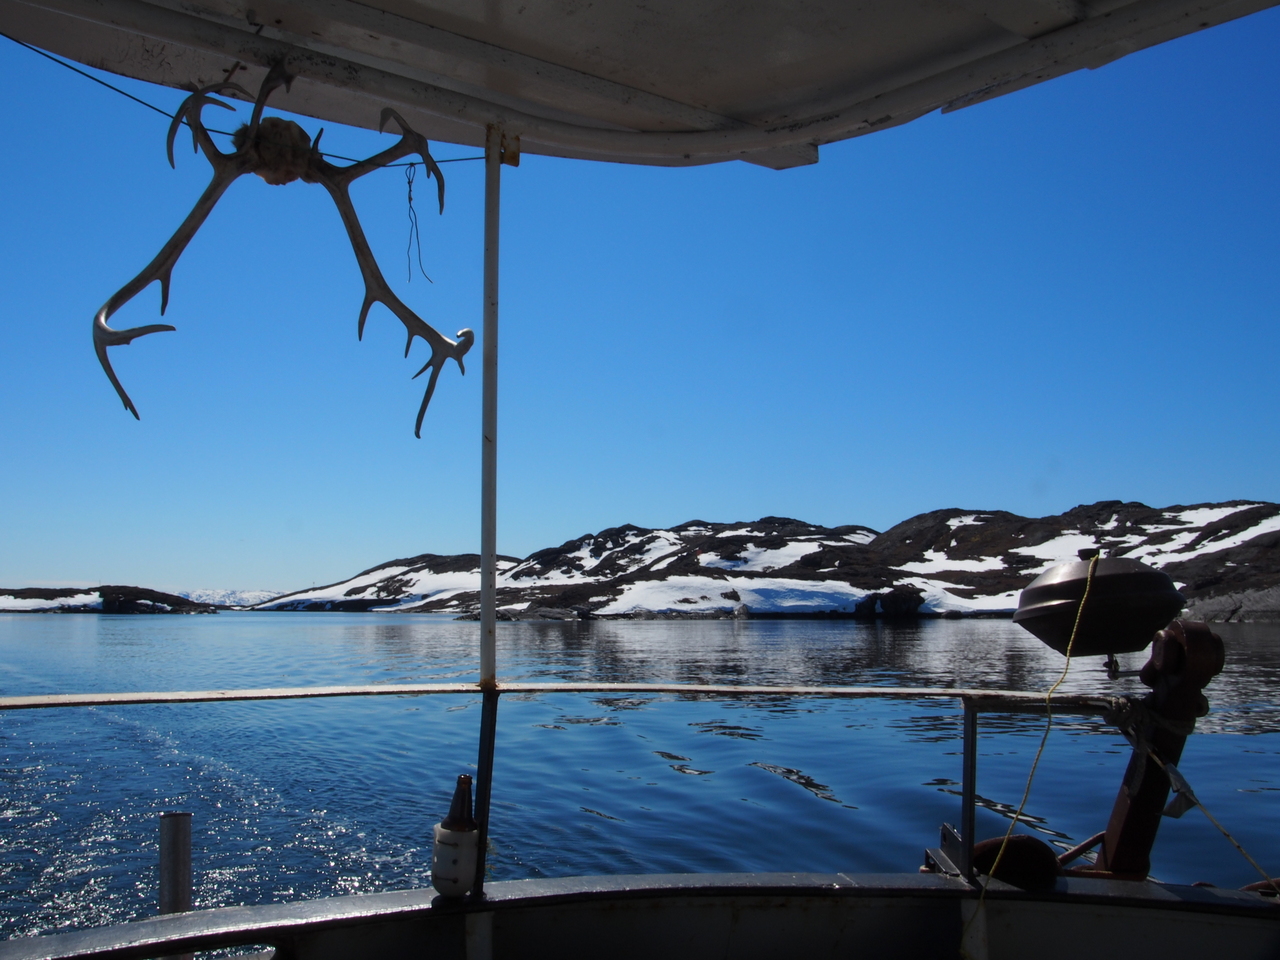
(87,601)
(762,559)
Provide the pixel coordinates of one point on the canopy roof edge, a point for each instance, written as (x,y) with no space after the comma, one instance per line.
(345,81)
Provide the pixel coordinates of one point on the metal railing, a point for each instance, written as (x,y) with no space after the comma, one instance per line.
(957,847)
(989,701)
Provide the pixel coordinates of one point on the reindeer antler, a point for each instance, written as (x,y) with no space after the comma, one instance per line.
(338,180)
(280,151)
(225,170)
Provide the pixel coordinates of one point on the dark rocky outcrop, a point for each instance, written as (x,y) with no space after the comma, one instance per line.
(141,600)
(105,599)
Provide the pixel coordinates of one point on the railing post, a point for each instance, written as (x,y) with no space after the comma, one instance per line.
(175,867)
(968,788)
(175,862)
(484,782)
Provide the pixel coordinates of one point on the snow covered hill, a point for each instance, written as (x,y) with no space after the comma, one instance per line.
(947,562)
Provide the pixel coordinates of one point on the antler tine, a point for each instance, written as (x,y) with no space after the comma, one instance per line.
(189,110)
(410,142)
(336,180)
(160,268)
(466,338)
(418,144)
(276,78)
(104,336)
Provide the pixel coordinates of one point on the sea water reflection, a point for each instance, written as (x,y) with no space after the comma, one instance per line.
(303,799)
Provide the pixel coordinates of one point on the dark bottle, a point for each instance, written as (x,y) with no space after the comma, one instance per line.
(460,818)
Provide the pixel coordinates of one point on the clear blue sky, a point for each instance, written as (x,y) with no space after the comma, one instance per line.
(1060,296)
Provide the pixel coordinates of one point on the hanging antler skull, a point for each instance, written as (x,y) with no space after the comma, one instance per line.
(280,152)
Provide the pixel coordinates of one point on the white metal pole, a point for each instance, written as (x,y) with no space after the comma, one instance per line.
(488,508)
(489,429)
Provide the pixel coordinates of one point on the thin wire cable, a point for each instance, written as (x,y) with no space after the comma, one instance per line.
(75,69)
(1236,843)
(165,113)
(1224,831)
(409,173)
(1048,726)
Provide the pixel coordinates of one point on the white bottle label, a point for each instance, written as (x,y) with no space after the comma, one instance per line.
(453,861)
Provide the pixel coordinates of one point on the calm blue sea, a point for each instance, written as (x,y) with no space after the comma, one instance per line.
(312,798)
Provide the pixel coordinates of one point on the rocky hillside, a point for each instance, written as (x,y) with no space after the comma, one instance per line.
(97,600)
(1223,556)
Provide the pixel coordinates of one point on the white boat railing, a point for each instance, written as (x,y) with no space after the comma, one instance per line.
(1016,701)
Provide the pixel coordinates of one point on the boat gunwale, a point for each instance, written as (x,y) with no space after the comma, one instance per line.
(278,923)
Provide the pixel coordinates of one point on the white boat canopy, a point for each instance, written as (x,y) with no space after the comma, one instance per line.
(667,82)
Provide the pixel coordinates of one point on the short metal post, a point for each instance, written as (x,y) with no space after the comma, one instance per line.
(968,789)
(175,868)
(175,862)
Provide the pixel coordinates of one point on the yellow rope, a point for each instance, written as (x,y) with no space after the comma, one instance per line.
(1026,793)
(1048,725)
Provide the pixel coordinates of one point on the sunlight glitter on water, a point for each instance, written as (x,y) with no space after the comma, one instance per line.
(301,799)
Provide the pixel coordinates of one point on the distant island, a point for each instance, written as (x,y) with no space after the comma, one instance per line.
(110,599)
(946,563)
